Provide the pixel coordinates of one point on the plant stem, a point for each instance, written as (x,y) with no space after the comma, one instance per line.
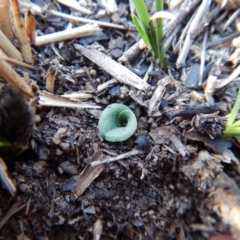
(160,34)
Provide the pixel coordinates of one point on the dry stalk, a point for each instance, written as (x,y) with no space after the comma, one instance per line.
(16,62)
(50,80)
(35,9)
(48,99)
(11,76)
(5,23)
(30,25)
(83,31)
(7,46)
(78,95)
(84,20)
(106,85)
(75,5)
(188,40)
(117,158)
(21,32)
(118,71)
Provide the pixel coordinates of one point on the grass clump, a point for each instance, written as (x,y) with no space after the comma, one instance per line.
(151,28)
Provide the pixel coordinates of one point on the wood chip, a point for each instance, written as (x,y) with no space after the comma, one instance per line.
(116,70)
(86,177)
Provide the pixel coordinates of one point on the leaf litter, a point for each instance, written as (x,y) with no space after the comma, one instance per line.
(69,183)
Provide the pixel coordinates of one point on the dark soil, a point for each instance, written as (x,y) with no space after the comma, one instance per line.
(152,195)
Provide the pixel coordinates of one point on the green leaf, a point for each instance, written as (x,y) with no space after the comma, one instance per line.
(117,123)
(142,13)
(153,40)
(141,30)
(235,110)
(231,131)
(236,124)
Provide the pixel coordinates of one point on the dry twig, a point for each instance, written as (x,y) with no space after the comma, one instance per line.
(7,46)
(83,31)
(5,23)
(21,32)
(11,76)
(119,72)
(86,177)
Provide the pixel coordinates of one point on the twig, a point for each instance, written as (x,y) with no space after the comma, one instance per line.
(221,42)
(184,10)
(203,60)
(205,22)
(83,31)
(11,76)
(5,23)
(231,19)
(21,32)
(105,85)
(155,101)
(16,207)
(223,82)
(78,95)
(9,48)
(188,41)
(48,99)
(119,72)
(75,5)
(84,20)
(119,157)
(30,25)
(16,62)
(131,54)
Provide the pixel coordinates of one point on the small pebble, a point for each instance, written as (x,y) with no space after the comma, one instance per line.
(143,143)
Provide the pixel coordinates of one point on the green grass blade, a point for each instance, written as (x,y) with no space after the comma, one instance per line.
(231,131)
(5,144)
(160,34)
(141,30)
(153,40)
(142,13)
(236,124)
(234,111)
(159,21)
